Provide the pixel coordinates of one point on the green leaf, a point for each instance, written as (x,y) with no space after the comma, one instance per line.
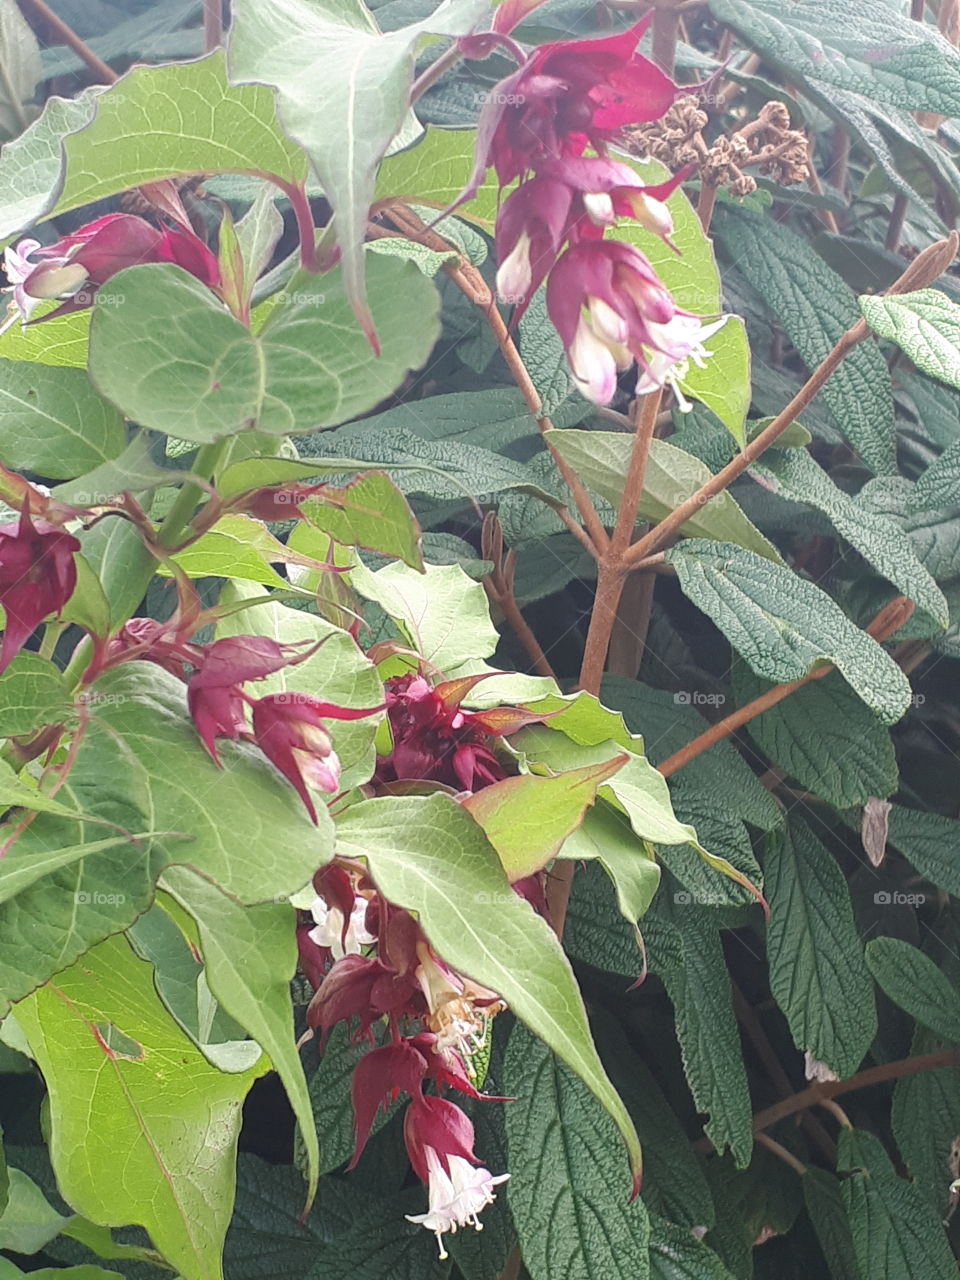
(930,843)
(824,1201)
(569,1198)
(22,867)
(32,694)
(815,308)
(90,148)
(595,931)
(167,938)
(435,170)
(28,1220)
(140,739)
(683,949)
(852,45)
(177,1175)
(718,779)
(59,342)
(637,789)
(428,855)
(601,459)
(939,485)
(723,382)
(817,972)
(444,614)
(825,738)
(885,546)
(268,1236)
(338,672)
(607,836)
(783,626)
(674,1185)
(343,94)
(132,469)
(527,819)
(896,1234)
(675,1254)
(925,325)
(914,982)
(250,955)
(925,1119)
(369,512)
(22,69)
(55,424)
(429,261)
(228,553)
(208,376)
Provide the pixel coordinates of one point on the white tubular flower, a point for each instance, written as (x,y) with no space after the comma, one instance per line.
(455,1199)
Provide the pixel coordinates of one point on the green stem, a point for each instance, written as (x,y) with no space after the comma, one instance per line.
(185,505)
(170,533)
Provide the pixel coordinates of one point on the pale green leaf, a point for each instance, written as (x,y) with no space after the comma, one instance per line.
(177,1173)
(601,459)
(54,423)
(343,93)
(428,855)
(205,375)
(723,381)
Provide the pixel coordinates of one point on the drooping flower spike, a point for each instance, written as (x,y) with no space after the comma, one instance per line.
(77,265)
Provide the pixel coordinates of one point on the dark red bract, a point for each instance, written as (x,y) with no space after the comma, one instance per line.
(37,578)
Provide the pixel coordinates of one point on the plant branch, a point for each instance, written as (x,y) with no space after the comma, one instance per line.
(498,585)
(73,41)
(666,20)
(781,1153)
(889,620)
(925,268)
(212,25)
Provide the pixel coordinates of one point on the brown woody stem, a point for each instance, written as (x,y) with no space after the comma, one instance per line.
(73,41)
(890,619)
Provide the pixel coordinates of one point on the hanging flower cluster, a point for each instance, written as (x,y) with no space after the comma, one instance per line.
(371,964)
(289,728)
(77,265)
(604,297)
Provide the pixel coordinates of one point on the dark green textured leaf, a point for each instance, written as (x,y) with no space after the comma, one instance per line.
(822,1196)
(817,972)
(380,1244)
(569,1187)
(675,1254)
(854,45)
(55,425)
(825,737)
(783,625)
(683,949)
(885,546)
(939,486)
(914,982)
(896,1234)
(267,1239)
(930,843)
(925,324)
(330,1098)
(816,307)
(925,1118)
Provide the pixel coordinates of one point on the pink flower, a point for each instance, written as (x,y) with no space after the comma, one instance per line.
(439,1141)
(565,96)
(289,729)
(433,738)
(78,264)
(37,578)
(610,309)
(214,696)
